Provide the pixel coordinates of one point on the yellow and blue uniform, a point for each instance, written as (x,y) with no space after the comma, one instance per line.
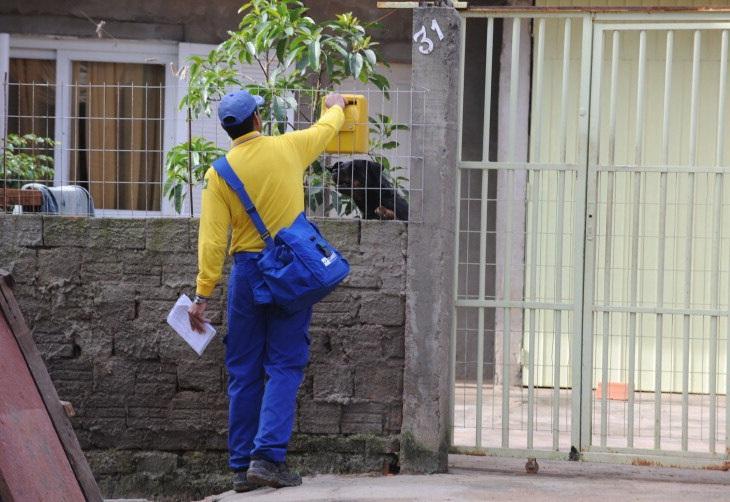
(266,352)
(271,168)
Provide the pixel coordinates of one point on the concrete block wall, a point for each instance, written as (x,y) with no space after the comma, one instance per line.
(151,415)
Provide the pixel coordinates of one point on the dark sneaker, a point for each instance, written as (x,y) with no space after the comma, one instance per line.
(241,482)
(265,473)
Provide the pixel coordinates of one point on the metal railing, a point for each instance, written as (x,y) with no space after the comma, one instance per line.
(123,148)
(592,303)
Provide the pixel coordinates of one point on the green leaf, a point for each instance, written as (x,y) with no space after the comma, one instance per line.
(315,52)
(370,55)
(291,102)
(290,57)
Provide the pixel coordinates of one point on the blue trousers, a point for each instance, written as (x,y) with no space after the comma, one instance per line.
(266,354)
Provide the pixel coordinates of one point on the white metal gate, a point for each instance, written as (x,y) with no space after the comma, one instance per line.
(593,250)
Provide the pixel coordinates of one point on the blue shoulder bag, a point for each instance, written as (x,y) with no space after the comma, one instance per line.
(299,266)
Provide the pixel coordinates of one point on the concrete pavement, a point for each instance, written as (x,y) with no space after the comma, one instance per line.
(481,479)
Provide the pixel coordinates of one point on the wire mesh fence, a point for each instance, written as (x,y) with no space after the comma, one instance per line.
(129,150)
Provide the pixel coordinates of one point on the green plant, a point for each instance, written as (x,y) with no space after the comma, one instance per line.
(25,159)
(201,153)
(382,139)
(299,61)
(298,58)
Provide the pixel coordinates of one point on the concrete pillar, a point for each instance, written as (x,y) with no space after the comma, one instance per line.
(429,311)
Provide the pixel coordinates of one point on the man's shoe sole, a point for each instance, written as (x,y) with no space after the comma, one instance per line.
(248,487)
(262,478)
(243,489)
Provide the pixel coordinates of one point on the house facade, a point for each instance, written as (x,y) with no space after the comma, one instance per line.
(104,82)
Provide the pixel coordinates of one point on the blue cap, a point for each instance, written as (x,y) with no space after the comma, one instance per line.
(237,106)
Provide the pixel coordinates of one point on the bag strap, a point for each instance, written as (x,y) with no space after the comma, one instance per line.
(225,171)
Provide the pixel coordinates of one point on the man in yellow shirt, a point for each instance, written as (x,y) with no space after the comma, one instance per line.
(266,352)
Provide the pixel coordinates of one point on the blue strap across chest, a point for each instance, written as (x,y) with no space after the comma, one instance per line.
(225,171)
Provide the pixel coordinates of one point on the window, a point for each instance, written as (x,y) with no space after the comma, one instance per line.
(31,97)
(110,107)
(116,133)
(31,111)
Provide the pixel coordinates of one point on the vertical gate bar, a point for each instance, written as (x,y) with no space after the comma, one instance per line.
(506,375)
(636,207)
(694,108)
(462,58)
(537,157)
(483,231)
(582,377)
(480,313)
(557,353)
(716,240)
(454,323)
(720,159)
(558,313)
(514,86)
(488,90)
(669,60)
(616,44)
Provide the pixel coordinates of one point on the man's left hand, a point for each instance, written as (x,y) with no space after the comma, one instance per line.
(196,312)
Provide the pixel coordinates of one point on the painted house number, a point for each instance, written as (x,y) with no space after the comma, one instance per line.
(425,44)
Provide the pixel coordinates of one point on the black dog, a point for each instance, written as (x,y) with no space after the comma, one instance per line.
(364,182)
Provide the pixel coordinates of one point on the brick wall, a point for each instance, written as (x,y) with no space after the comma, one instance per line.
(152,416)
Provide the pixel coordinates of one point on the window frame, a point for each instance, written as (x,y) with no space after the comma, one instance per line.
(65,52)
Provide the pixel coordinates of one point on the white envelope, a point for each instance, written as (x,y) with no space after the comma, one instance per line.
(179,320)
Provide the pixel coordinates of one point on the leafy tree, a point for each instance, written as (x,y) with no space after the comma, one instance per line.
(298,58)
(299,61)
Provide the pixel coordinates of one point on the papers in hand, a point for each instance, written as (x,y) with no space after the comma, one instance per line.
(179,321)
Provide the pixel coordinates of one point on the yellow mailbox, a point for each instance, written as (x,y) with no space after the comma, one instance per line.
(353,137)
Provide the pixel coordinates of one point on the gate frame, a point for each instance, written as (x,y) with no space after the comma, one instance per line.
(624,22)
(580,207)
(595,23)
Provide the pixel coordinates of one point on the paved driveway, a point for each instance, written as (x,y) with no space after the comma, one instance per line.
(482,479)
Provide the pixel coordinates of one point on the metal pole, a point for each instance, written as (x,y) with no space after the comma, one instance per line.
(5,141)
(694,108)
(190,160)
(507,285)
(537,138)
(557,314)
(636,207)
(584,237)
(716,240)
(609,233)
(483,232)
(661,242)
(452,344)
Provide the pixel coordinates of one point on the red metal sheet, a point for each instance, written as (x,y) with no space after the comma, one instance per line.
(33,463)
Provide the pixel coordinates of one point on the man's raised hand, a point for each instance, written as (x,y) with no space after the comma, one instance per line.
(334,99)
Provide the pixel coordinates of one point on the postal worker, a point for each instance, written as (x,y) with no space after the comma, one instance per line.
(266,351)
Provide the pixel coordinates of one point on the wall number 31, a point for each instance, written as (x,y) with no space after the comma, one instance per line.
(425,44)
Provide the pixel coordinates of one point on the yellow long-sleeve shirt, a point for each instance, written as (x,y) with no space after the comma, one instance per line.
(272,169)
